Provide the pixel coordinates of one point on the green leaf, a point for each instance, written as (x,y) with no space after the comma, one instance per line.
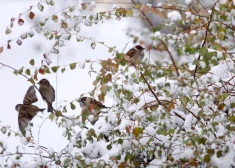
(129,13)
(40,7)
(93,45)
(207,158)
(55,68)
(51,116)
(72,106)
(58,114)
(120,141)
(62,70)
(32,81)
(203,51)
(32,62)
(72,66)
(67,161)
(219,154)
(232,118)
(109,147)
(27,72)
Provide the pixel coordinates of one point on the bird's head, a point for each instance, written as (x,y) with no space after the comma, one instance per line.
(44,82)
(139,48)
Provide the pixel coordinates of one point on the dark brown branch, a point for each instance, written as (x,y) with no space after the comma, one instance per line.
(179,116)
(204,41)
(150,88)
(173,62)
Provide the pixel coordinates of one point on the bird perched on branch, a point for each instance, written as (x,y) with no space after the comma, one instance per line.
(26,110)
(48,93)
(94,106)
(135,54)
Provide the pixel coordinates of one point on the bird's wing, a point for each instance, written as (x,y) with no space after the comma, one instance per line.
(30,96)
(130,53)
(23,120)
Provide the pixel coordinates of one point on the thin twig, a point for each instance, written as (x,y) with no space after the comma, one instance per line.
(173,62)
(204,41)
(150,88)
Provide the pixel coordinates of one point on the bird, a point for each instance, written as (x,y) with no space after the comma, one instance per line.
(88,103)
(135,54)
(47,93)
(26,110)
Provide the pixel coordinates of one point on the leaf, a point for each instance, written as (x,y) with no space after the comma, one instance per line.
(109,147)
(3,130)
(8,31)
(62,70)
(1,49)
(8,46)
(31,15)
(129,13)
(64,25)
(32,81)
(51,116)
(207,158)
(55,68)
(27,71)
(20,22)
(137,131)
(32,62)
(19,42)
(203,51)
(72,106)
(58,113)
(93,45)
(40,7)
(72,66)
(55,18)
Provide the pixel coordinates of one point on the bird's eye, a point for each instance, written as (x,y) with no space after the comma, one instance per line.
(82,102)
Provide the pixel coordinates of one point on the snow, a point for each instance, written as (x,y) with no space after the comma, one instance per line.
(188,1)
(174,16)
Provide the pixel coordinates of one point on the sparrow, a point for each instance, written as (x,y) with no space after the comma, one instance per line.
(88,103)
(47,92)
(26,110)
(135,54)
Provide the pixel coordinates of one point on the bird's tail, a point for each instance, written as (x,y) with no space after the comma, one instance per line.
(42,109)
(50,108)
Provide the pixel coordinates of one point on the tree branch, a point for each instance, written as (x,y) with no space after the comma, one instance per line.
(150,88)
(173,62)
(204,41)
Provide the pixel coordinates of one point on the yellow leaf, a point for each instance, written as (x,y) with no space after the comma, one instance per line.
(137,131)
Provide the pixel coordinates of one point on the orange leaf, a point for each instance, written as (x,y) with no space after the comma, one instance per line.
(144,8)
(31,15)
(1,49)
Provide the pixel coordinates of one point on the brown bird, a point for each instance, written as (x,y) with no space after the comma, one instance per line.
(48,93)
(88,103)
(135,54)
(26,110)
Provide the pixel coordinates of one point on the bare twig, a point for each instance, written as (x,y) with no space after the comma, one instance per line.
(150,88)
(173,62)
(204,41)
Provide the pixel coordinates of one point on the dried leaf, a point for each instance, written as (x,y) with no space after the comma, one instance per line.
(31,15)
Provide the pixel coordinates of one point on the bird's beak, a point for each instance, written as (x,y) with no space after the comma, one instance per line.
(79,100)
